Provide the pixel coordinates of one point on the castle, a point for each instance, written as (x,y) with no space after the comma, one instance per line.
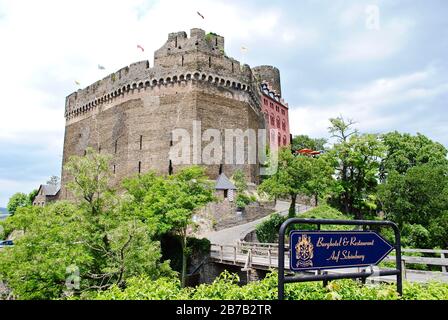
(131,113)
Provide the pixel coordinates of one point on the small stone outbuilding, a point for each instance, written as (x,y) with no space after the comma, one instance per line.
(46,193)
(225,189)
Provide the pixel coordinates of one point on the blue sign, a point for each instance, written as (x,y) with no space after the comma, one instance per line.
(314,250)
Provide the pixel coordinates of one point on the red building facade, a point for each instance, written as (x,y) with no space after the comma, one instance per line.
(275,111)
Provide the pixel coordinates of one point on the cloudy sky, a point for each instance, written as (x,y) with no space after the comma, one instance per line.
(382,63)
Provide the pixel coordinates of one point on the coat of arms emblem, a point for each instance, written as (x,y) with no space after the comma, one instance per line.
(304,251)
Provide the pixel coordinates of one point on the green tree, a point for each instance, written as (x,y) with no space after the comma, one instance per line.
(95,235)
(32,195)
(405,151)
(240,181)
(17,200)
(321,182)
(358,159)
(291,178)
(89,182)
(305,142)
(169,202)
(420,196)
(243,198)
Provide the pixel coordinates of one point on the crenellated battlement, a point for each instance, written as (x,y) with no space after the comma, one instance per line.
(159,83)
(181,58)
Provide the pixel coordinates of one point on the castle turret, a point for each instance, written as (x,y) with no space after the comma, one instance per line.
(271,75)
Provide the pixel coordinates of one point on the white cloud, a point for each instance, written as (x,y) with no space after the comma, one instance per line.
(363,45)
(376,106)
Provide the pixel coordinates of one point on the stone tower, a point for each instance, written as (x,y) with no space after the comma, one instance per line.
(130,114)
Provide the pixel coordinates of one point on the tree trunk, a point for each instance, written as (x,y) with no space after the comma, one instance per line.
(316,200)
(184,259)
(292,207)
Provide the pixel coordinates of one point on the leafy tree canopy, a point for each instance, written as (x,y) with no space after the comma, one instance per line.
(18,200)
(405,151)
(305,142)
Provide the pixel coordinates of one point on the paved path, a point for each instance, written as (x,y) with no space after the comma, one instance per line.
(232,235)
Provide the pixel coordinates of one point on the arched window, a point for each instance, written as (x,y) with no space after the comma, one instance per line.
(283,125)
(279,139)
(272,120)
(278,122)
(284,140)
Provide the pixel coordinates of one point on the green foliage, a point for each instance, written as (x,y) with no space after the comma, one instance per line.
(305,142)
(95,236)
(358,157)
(297,175)
(322,212)
(417,197)
(167,204)
(42,254)
(242,197)
(18,200)
(415,236)
(438,230)
(267,231)
(209,36)
(240,181)
(226,287)
(90,183)
(32,195)
(414,192)
(243,200)
(405,151)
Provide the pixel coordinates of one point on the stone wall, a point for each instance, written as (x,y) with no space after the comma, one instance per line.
(131,113)
(222,215)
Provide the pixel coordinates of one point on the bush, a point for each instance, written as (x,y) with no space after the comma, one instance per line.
(267,231)
(415,236)
(243,200)
(225,287)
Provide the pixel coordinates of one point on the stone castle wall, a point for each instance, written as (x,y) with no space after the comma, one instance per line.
(131,113)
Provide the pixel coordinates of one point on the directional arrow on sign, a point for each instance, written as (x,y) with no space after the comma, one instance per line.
(314,250)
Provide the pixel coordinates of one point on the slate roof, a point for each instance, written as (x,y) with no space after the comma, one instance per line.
(50,189)
(223,183)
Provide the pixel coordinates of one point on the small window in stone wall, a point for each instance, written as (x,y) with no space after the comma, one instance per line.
(115,168)
(139,167)
(116,146)
(141,142)
(170,168)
